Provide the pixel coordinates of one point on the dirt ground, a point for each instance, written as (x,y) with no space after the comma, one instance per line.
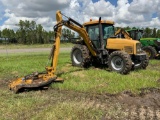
(122,106)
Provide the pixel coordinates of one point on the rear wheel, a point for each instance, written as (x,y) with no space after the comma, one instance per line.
(80,56)
(151,51)
(120,62)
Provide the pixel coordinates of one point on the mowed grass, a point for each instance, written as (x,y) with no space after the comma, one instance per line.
(53,105)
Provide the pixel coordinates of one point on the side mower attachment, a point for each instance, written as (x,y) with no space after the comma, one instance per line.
(34,80)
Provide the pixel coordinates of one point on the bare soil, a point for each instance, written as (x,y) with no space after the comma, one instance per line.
(121,106)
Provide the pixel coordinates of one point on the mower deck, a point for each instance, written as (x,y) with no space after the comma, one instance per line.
(37,80)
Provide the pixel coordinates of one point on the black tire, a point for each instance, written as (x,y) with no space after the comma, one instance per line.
(80,56)
(120,61)
(141,64)
(151,51)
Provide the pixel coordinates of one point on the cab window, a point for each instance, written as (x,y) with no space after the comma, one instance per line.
(93,32)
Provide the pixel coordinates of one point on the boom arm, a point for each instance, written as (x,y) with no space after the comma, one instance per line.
(72,24)
(121,32)
(55,49)
(42,79)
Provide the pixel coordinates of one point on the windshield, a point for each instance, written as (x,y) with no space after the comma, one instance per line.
(93,32)
(136,35)
(139,35)
(108,31)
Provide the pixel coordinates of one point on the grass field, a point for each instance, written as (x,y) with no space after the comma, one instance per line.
(75,98)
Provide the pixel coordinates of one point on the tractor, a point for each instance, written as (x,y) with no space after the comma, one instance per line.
(150,45)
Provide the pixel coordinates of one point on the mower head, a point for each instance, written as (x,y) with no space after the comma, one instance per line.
(34,80)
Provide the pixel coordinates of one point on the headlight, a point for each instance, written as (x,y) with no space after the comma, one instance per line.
(138,47)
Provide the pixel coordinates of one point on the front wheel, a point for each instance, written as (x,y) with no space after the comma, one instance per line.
(120,62)
(141,64)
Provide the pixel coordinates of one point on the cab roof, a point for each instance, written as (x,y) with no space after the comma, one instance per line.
(91,22)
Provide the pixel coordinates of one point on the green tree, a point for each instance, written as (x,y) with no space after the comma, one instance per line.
(12,36)
(5,33)
(46,37)
(154,32)
(67,34)
(21,32)
(51,36)
(147,32)
(26,32)
(158,33)
(127,28)
(8,34)
(133,27)
(39,35)
(32,32)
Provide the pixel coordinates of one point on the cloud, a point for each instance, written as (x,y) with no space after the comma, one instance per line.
(31,8)
(1,10)
(38,10)
(137,13)
(100,8)
(143,6)
(155,22)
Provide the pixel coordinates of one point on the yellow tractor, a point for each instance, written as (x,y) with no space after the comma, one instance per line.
(106,49)
(98,47)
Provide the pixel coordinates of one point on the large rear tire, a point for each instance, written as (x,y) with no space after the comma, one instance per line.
(120,61)
(80,56)
(151,51)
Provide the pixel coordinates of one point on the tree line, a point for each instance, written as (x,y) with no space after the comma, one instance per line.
(29,32)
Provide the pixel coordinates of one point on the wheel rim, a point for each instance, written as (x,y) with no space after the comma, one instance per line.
(117,63)
(148,53)
(138,64)
(77,56)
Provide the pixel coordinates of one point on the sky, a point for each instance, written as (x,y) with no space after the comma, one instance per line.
(138,13)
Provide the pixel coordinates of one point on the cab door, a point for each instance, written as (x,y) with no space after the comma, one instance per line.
(93,32)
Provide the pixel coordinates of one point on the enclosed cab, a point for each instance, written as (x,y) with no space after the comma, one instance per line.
(99,33)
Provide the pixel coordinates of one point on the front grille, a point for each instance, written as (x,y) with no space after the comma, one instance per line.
(128,49)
